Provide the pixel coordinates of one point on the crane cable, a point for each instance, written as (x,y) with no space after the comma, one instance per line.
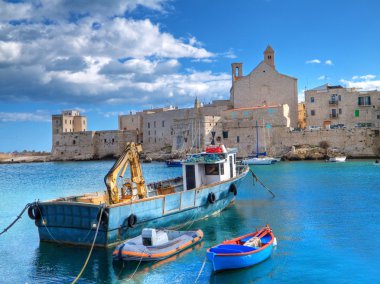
(92,246)
(17,218)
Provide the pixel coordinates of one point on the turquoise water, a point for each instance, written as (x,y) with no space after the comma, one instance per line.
(325,217)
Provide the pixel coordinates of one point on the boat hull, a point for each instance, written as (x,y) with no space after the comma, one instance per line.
(236,262)
(76,223)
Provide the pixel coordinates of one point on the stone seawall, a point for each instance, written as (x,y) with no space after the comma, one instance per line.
(88,145)
(356,142)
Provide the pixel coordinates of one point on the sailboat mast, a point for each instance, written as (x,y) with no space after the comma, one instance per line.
(257,140)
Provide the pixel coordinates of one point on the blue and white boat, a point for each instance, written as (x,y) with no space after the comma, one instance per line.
(174,163)
(243,251)
(208,184)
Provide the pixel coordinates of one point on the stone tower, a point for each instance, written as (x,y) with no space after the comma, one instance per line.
(237,71)
(269,56)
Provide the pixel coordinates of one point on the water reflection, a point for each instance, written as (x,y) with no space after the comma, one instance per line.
(55,263)
(126,270)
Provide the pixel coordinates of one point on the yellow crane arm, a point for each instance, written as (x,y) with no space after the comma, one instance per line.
(129,156)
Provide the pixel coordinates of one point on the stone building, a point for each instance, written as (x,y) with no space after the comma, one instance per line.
(265,95)
(71,140)
(264,86)
(68,121)
(332,105)
(301,115)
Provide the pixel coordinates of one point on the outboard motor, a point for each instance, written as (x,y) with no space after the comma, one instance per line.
(150,237)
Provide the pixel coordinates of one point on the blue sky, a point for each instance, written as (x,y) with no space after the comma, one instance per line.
(110,57)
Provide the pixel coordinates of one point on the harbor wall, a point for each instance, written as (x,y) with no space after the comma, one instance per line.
(87,145)
(355,142)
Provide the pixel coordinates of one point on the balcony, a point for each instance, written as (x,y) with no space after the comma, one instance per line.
(333,102)
(334,115)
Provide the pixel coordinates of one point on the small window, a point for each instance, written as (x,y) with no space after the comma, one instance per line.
(154,123)
(312,112)
(237,139)
(340,111)
(148,124)
(57,143)
(212,169)
(312,99)
(148,132)
(113,140)
(356,113)
(73,142)
(378,116)
(57,131)
(163,123)
(56,122)
(225,134)
(65,121)
(339,98)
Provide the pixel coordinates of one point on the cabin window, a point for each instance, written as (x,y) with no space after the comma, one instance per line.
(221,169)
(211,169)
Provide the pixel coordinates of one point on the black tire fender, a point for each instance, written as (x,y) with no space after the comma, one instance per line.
(132,220)
(211,198)
(34,212)
(233,189)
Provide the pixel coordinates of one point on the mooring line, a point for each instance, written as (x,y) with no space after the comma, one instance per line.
(17,218)
(200,271)
(257,179)
(92,247)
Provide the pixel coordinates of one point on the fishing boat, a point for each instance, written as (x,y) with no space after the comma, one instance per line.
(174,163)
(209,183)
(339,159)
(154,245)
(243,251)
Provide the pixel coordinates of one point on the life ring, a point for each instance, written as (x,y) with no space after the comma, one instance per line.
(132,220)
(233,189)
(211,198)
(34,212)
(104,219)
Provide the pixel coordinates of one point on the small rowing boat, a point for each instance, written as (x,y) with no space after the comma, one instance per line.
(243,251)
(154,244)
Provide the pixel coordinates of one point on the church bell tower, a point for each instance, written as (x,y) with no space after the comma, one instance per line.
(269,56)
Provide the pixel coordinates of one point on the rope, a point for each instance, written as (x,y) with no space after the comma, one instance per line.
(44,223)
(92,246)
(258,180)
(200,271)
(18,217)
(137,267)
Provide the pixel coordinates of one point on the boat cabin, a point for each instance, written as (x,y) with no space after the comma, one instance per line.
(216,164)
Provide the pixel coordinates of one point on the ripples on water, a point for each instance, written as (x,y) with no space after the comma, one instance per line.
(325,216)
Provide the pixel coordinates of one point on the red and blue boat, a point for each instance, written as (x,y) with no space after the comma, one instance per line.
(243,251)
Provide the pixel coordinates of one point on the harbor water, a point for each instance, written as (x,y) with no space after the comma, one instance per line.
(325,217)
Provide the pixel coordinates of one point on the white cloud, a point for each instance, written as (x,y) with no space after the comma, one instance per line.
(323,77)
(9,51)
(301,96)
(328,62)
(24,116)
(101,57)
(365,85)
(313,61)
(365,77)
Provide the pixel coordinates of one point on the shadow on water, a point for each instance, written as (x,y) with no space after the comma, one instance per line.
(57,264)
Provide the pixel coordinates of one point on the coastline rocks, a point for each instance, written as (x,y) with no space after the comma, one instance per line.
(310,152)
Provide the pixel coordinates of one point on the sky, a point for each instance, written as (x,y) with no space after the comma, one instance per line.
(107,58)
